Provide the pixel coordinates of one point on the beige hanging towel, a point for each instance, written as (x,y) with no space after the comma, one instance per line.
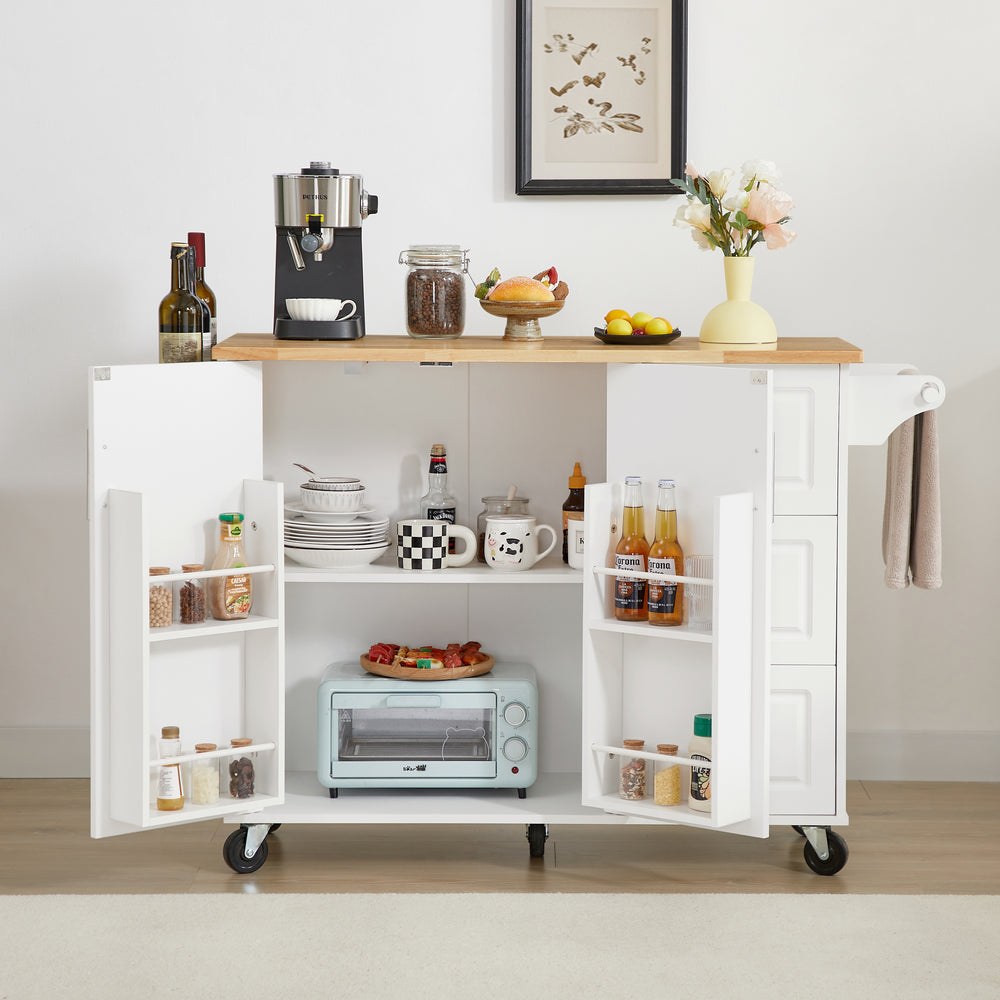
(911,521)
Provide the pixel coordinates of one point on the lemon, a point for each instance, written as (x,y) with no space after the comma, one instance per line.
(658,326)
(616,314)
(639,321)
(620,328)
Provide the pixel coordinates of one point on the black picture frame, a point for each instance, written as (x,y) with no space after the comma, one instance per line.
(533,176)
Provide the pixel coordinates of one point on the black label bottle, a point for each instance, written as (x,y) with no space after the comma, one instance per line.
(700,748)
(632,553)
(572,509)
(437,504)
(666,606)
(209,337)
(182,313)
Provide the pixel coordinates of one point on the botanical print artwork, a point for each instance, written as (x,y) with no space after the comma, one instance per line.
(599,65)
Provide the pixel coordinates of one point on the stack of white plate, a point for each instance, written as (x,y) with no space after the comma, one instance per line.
(323,539)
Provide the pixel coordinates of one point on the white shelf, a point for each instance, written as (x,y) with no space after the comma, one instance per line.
(192,813)
(553,798)
(230,751)
(385,570)
(682,632)
(212,627)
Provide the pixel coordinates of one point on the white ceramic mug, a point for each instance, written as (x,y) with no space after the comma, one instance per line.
(511,542)
(574,543)
(327,310)
(423,544)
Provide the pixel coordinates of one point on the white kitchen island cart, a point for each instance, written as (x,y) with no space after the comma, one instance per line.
(756,439)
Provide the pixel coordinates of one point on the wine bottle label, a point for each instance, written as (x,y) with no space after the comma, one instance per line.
(662,596)
(701,780)
(630,595)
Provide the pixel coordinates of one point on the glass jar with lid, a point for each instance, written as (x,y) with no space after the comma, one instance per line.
(492,507)
(161,599)
(242,768)
(435,290)
(632,774)
(667,777)
(204,776)
(189,596)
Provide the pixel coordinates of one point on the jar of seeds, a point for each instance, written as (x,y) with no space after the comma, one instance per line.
(435,290)
(161,599)
(190,596)
(632,776)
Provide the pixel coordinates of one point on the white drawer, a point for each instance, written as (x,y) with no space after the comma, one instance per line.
(803,755)
(804,590)
(806,438)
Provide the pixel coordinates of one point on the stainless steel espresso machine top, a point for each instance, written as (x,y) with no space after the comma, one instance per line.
(318,216)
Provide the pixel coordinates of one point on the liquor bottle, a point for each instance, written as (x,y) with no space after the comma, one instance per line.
(632,553)
(572,509)
(665,602)
(437,504)
(182,313)
(202,290)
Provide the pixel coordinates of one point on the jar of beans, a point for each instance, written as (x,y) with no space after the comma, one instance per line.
(190,596)
(161,599)
(435,290)
(632,776)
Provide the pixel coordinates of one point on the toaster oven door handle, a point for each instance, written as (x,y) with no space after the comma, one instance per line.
(413,701)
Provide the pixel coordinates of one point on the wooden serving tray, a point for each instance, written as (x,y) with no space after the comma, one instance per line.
(418,674)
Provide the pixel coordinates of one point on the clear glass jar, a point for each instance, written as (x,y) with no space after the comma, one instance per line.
(435,290)
(161,599)
(632,777)
(666,777)
(242,769)
(190,596)
(493,506)
(204,776)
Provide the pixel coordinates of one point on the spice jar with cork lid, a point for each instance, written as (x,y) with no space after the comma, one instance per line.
(242,769)
(204,776)
(190,596)
(632,776)
(169,787)
(161,599)
(667,777)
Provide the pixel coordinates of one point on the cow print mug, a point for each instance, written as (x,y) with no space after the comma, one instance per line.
(423,544)
(512,542)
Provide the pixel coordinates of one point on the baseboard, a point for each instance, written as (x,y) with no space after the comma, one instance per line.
(931,756)
(36,752)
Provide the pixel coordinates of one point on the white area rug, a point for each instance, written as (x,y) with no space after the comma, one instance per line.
(469,946)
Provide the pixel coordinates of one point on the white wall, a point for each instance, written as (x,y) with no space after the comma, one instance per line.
(125,125)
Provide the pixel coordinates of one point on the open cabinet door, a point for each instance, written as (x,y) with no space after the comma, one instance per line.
(711,429)
(170,447)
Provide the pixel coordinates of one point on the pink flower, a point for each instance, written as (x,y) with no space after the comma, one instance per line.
(768,206)
(690,170)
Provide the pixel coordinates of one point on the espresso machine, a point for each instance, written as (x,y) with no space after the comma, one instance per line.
(317,254)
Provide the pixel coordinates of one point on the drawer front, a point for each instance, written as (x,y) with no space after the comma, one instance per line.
(804,590)
(803,761)
(806,439)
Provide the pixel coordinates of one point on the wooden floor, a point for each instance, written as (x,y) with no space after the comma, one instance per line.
(904,837)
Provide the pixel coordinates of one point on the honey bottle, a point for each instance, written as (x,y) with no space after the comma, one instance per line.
(631,554)
(665,601)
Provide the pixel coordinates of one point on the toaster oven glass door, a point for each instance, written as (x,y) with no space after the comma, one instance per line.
(432,735)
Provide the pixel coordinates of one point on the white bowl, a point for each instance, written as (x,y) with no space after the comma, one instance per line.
(332,500)
(334,483)
(314,309)
(335,558)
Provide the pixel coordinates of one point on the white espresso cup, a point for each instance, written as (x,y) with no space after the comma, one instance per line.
(319,310)
(423,544)
(511,542)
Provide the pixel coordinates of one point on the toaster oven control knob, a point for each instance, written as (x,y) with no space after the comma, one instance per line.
(515,749)
(515,714)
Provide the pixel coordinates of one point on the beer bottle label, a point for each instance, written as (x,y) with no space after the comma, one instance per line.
(662,596)
(630,595)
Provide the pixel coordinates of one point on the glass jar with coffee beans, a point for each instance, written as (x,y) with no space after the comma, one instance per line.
(435,290)
(190,597)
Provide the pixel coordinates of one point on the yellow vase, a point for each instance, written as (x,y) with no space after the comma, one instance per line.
(738,320)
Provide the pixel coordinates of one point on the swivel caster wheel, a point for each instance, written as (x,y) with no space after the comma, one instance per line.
(238,843)
(822,840)
(537,834)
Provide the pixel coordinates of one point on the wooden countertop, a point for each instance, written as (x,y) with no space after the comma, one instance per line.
(684,350)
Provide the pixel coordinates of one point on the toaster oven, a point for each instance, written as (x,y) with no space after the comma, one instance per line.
(473,732)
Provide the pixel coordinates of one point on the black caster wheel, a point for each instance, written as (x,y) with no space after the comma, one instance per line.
(232,851)
(799,830)
(537,835)
(836,860)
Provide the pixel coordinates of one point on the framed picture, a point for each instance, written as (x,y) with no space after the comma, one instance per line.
(601,96)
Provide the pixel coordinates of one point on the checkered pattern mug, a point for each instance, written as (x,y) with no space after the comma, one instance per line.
(423,544)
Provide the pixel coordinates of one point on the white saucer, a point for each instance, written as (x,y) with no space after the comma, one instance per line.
(325,516)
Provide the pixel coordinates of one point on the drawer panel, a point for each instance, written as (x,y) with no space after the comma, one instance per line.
(806,439)
(803,759)
(804,590)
